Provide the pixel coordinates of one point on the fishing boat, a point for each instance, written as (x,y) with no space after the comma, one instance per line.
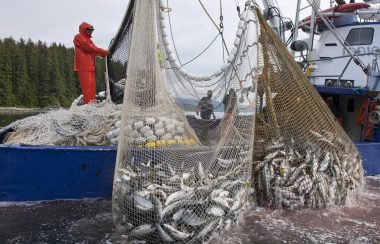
(343,66)
(29,173)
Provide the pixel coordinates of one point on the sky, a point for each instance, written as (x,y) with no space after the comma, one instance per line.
(58,21)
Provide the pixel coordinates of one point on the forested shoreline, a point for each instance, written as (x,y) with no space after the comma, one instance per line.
(37,75)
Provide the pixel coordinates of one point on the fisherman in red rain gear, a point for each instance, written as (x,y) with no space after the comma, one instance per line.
(362,118)
(84,61)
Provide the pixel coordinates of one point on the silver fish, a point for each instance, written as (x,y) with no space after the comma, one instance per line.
(316,134)
(216,211)
(176,234)
(204,234)
(190,218)
(221,201)
(228,224)
(225,163)
(175,207)
(164,236)
(157,206)
(238,200)
(177,216)
(201,173)
(305,185)
(143,230)
(142,203)
(271,155)
(325,162)
(276,146)
(186,188)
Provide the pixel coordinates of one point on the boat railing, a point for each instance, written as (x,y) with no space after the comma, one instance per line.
(374,65)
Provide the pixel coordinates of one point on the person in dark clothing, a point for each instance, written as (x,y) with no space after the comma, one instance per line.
(229,102)
(206,109)
(205,106)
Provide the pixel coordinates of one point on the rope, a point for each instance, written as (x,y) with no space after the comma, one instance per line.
(209,45)
(219,30)
(171,34)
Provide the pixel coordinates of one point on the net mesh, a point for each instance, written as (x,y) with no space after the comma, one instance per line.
(172,183)
(86,125)
(180,183)
(302,156)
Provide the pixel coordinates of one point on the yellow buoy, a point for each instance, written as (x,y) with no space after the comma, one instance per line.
(150,144)
(180,141)
(171,142)
(191,142)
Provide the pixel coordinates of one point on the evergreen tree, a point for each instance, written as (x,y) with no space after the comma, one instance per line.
(7,97)
(38,75)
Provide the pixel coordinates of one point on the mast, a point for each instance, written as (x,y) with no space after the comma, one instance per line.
(274,20)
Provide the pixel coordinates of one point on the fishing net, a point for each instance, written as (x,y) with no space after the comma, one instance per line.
(86,125)
(302,157)
(172,182)
(181,179)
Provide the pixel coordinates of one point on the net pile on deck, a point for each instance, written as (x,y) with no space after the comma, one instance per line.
(80,125)
(171,183)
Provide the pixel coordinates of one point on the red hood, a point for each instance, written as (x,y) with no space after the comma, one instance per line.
(83,27)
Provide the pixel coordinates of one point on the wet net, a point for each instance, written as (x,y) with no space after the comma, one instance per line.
(95,124)
(302,157)
(181,179)
(176,181)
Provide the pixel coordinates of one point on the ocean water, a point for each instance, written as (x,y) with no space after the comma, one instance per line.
(90,221)
(6,119)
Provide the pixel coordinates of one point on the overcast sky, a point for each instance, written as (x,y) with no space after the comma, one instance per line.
(58,21)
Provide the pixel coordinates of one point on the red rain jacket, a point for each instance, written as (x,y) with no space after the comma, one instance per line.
(85,50)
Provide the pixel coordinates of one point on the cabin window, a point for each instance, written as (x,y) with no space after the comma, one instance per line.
(360,36)
(351,105)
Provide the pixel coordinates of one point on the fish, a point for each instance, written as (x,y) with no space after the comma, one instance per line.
(171,170)
(201,173)
(189,217)
(177,216)
(176,234)
(157,207)
(276,146)
(175,207)
(271,155)
(185,188)
(325,162)
(204,234)
(141,203)
(143,230)
(316,134)
(305,185)
(221,201)
(228,224)
(216,211)
(164,236)
(265,174)
(225,163)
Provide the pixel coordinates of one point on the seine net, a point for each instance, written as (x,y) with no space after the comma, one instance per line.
(174,183)
(180,183)
(302,157)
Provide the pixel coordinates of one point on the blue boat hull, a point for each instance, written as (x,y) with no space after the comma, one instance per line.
(32,173)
